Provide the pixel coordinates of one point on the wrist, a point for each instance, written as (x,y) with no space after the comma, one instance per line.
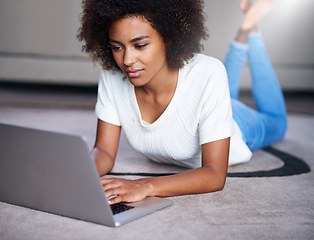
(148,185)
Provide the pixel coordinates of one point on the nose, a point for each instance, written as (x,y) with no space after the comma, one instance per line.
(129,57)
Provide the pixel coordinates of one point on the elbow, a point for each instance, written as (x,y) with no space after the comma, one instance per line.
(220,185)
(216,184)
(217,187)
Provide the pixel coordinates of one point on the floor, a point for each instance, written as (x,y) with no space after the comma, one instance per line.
(271,197)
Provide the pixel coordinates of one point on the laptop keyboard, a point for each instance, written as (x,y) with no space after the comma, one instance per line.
(119,207)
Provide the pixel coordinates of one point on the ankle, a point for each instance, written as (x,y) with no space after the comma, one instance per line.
(242,36)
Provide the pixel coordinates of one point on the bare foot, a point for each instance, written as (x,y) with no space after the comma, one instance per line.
(245,5)
(255,13)
(242,36)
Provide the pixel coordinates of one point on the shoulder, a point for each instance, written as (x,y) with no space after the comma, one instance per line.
(113,83)
(112,79)
(202,68)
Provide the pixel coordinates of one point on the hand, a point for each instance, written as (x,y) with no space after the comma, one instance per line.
(125,190)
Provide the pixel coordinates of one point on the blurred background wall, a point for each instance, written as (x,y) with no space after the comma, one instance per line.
(39,45)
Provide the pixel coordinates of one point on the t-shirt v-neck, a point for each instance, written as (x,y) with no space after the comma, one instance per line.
(164,114)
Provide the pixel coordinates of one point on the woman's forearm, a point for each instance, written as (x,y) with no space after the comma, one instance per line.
(200,180)
(210,177)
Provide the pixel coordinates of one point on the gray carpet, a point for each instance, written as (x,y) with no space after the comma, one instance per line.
(271,197)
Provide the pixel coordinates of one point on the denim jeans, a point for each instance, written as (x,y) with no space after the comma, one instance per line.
(268,123)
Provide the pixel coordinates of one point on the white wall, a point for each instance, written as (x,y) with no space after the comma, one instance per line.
(38,41)
(288,34)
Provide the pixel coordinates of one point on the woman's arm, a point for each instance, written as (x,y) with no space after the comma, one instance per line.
(208,178)
(106,146)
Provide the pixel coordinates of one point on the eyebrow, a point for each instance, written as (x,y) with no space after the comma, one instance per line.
(133,40)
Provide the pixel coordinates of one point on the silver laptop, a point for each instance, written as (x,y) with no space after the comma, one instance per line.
(55,173)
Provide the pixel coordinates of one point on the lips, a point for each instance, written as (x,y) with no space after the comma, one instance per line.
(134,73)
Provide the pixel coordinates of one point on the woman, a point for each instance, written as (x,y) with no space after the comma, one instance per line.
(172,103)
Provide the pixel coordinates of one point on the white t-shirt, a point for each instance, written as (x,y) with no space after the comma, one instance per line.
(199,112)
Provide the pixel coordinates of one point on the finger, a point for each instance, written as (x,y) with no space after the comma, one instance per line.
(110,193)
(115,200)
(109,198)
(113,190)
(112,185)
(107,180)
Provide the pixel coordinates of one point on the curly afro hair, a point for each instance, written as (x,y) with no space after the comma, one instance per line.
(180,23)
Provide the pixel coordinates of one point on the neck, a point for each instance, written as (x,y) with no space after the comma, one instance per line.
(164,84)
(153,98)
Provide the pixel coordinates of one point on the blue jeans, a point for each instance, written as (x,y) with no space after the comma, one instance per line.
(267,124)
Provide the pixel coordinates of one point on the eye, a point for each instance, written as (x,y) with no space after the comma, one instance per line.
(141,46)
(115,48)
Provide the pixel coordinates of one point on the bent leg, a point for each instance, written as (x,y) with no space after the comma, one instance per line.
(268,124)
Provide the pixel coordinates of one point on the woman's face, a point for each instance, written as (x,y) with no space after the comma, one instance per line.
(138,49)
